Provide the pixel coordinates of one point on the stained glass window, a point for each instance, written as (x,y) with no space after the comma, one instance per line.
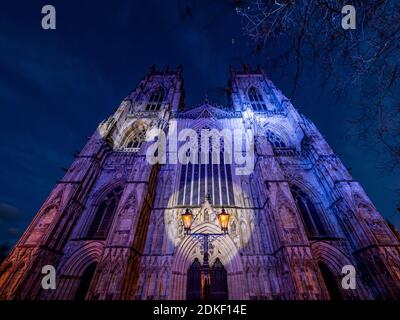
(256,100)
(310,214)
(156,99)
(104,214)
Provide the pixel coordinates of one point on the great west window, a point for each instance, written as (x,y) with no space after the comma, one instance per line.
(201,179)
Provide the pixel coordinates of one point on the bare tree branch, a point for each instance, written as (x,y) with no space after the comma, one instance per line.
(360,65)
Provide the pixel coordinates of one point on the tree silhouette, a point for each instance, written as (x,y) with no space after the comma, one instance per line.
(305,37)
(4,251)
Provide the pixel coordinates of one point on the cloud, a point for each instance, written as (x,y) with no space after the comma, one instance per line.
(15,232)
(10,220)
(9,213)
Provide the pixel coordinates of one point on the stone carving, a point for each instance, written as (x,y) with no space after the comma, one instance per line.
(145,253)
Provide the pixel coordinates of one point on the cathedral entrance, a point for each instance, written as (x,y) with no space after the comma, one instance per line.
(219,283)
(330,282)
(194,281)
(205,283)
(84,284)
(221,277)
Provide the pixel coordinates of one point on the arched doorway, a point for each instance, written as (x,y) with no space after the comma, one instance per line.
(330,282)
(86,279)
(194,281)
(218,283)
(186,253)
(214,285)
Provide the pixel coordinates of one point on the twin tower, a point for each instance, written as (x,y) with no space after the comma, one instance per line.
(112,226)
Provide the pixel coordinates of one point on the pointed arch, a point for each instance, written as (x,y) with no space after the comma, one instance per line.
(219,283)
(186,253)
(104,214)
(208,177)
(105,189)
(72,269)
(194,281)
(333,257)
(331,260)
(275,140)
(135,142)
(81,258)
(206,123)
(311,215)
(330,282)
(85,281)
(132,132)
(284,133)
(256,100)
(156,99)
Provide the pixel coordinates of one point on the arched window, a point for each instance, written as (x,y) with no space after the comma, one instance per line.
(330,282)
(104,214)
(256,100)
(193,291)
(275,140)
(219,282)
(136,141)
(156,99)
(206,179)
(84,284)
(309,213)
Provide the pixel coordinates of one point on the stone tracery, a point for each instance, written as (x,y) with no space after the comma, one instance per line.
(267,254)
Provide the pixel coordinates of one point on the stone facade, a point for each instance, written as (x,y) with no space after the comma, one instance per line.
(295,221)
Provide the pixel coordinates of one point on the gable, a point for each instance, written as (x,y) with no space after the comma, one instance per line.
(207,111)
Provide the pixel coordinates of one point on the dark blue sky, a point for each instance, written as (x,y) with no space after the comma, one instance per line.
(56,86)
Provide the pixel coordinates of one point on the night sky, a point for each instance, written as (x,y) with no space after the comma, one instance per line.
(56,86)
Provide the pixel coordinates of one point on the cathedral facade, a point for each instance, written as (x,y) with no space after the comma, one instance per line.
(112,226)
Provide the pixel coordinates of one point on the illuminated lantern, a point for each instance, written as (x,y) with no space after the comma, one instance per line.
(223,219)
(187,218)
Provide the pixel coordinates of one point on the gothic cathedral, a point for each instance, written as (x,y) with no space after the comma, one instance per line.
(112,226)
